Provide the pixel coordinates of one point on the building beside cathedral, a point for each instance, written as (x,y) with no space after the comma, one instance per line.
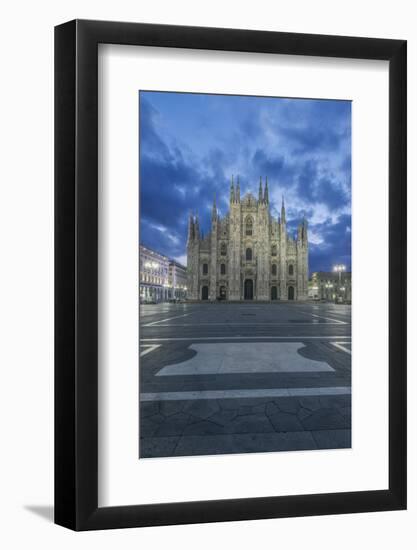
(247,255)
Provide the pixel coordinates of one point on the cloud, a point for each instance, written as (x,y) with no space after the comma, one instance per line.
(191,144)
(274,167)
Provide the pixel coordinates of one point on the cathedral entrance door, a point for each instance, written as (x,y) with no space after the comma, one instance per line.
(290,293)
(274,293)
(204,293)
(248,289)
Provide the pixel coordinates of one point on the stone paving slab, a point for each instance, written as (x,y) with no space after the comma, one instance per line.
(333,439)
(215,444)
(244,443)
(285,388)
(174,354)
(230,358)
(326,419)
(153,447)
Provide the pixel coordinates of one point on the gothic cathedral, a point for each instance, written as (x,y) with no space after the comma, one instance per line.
(247,255)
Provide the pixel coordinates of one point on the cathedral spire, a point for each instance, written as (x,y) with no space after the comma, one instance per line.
(302,230)
(238,190)
(214,209)
(196,228)
(266,193)
(283,211)
(232,191)
(305,227)
(260,189)
(190,228)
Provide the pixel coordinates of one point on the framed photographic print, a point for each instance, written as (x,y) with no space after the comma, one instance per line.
(230,275)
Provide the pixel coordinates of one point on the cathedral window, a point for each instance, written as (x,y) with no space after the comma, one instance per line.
(205,269)
(274,269)
(249,254)
(274,250)
(249,226)
(223,249)
(290,269)
(222,269)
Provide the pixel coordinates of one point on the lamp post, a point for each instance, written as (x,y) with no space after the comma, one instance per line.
(328,286)
(339,268)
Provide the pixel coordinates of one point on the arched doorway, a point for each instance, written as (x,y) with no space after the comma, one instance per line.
(248,289)
(222,293)
(290,293)
(204,293)
(274,293)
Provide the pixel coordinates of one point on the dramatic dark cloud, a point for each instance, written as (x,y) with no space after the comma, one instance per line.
(191,144)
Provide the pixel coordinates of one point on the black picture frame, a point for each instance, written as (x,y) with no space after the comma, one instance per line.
(76,272)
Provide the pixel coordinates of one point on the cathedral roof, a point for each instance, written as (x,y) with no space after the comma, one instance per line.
(249,200)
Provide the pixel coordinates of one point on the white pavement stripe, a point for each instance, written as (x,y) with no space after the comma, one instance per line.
(336,321)
(149,348)
(341,345)
(164,320)
(195,338)
(239,394)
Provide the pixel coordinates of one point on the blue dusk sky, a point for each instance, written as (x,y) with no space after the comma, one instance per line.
(191,144)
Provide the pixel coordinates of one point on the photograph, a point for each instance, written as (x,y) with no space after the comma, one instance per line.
(245,274)
(194,201)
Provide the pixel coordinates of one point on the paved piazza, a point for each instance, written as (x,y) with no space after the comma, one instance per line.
(221,378)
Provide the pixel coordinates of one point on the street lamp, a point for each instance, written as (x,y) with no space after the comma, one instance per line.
(338,269)
(328,286)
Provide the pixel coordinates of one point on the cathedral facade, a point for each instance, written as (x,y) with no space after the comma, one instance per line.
(247,255)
